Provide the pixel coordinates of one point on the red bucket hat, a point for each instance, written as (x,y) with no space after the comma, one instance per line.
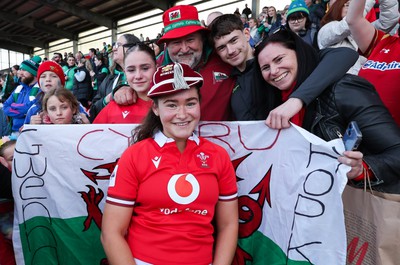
(53,67)
(173,78)
(180,21)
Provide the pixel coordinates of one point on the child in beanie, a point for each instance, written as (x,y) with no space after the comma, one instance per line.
(50,76)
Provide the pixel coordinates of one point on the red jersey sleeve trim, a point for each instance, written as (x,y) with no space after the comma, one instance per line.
(120,202)
(227,197)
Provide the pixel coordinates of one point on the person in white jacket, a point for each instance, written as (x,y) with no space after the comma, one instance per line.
(335,31)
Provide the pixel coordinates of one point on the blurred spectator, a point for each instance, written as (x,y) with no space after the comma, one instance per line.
(6,204)
(237,12)
(57,57)
(100,74)
(212,16)
(82,88)
(246,11)
(23,97)
(243,18)
(14,71)
(69,71)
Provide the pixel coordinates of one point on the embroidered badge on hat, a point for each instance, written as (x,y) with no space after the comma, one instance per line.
(174,15)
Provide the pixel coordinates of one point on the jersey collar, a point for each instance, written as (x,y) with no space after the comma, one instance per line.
(161,139)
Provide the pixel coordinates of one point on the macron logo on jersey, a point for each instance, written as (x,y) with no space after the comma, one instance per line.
(125,113)
(156,161)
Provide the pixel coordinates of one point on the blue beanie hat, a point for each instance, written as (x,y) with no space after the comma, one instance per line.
(297,6)
(31,65)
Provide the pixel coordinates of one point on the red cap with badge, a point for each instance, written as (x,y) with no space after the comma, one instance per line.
(180,21)
(173,78)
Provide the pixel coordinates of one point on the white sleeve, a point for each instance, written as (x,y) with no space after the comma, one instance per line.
(332,33)
(388,17)
(80,75)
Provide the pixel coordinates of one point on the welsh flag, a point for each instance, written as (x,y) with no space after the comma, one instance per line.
(290,186)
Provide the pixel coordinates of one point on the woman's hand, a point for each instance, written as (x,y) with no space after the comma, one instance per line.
(279,117)
(354,160)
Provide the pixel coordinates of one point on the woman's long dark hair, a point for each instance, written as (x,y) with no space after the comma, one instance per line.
(307,56)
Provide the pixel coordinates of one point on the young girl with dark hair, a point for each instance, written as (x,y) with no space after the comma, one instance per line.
(140,65)
(285,62)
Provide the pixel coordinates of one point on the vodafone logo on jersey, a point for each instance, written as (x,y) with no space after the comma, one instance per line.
(183,188)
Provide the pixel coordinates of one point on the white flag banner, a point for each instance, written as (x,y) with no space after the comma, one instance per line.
(290,185)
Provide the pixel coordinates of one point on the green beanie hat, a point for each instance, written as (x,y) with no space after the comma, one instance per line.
(31,65)
(297,6)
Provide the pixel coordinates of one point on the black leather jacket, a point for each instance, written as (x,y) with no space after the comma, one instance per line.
(354,99)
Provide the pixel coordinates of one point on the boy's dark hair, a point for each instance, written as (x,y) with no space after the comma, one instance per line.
(224,25)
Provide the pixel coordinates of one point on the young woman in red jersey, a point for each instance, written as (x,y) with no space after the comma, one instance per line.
(170,184)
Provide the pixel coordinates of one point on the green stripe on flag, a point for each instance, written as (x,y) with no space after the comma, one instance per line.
(264,251)
(60,241)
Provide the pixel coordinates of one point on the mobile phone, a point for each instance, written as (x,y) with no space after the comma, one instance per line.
(352,136)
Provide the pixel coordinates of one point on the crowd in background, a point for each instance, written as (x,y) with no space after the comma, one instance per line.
(114,79)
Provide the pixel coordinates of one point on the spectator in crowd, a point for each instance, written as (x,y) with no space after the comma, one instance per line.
(317,12)
(284,15)
(79,56)
(5,128)
(7,86)
(250,100)
(246,11)
(213,15)
(183,237)
(14,71)
(61,107)
(82,88)
(116,78)
(237,12)
(141,38)
(50,76)
(140,65)
(335,31)
(253,26)
(57,57)
(382,50)
(243,18)
(274,19)
(187,44)
(101,72)
(285,56)
(69,71)
(23,97)
(92,55)
(298,21)
(6,203)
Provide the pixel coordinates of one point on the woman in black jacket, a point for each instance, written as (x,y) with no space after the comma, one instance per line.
(285,62)
(82,88)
